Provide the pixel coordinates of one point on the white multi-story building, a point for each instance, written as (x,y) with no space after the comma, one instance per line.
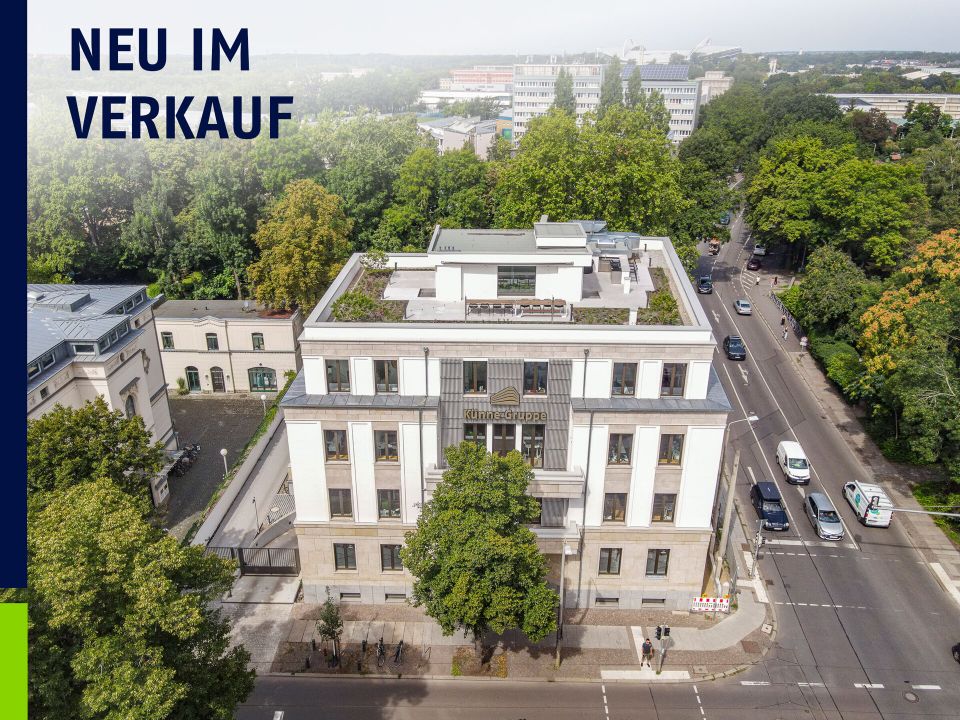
(894,105)
(530,340)
(533,91)
(216,346)
(681,96)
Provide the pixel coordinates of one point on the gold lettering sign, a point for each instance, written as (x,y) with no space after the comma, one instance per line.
(505,415)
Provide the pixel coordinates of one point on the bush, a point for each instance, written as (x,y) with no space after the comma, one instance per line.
(354,306)
(182,386)
(791,300)
(840,361)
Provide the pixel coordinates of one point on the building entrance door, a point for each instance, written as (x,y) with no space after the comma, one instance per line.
(216,378)
(504,439)
(193,379)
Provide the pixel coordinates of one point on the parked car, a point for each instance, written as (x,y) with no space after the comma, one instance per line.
(956,652)
(725,220)
(793,462)
(705,285)
(823,516)
(753,263)
(759,249)
(769,506)
(861,496)
(734,348)
(743,307)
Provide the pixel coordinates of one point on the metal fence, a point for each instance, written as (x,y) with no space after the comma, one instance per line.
(261,561)
(791,320)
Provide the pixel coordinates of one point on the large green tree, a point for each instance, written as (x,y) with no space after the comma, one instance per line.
(68,446)
(563,97)
(476,567)
(611,89)
(304,242)
(121,619)
(634,94)
(830,289)
(940,170)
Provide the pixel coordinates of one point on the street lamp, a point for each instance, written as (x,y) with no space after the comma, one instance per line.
(728,501)
(567,550)
(256,514)
(223,454)
(263,401)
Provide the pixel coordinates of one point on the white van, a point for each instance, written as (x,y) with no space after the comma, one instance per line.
(793,462)
(860,495)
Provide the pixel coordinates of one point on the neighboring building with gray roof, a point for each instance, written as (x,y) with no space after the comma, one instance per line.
(215,346)
(90,340)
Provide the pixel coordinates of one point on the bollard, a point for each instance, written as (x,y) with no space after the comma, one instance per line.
(313,644)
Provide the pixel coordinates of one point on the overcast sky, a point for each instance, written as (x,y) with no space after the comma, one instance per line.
(515,26)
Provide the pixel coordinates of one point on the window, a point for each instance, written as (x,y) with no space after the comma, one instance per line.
(664,506)
(531,445)
(33,369)
(535,378)
(614,507)
(345,556)
(386,443)
(516,280)
(388,503)
(390,557)
(504,439)
(130,407)
(336,443)
(672,381)
(262,378)
(341,504)
(657,561)
(212,342)
(610,561)
(620,451)
(349,597)
(475,432)
(553,512)
(385,373)
(624,379)
(338,376)
(607,601)
(671,449)
(474,377)
(257,341)
(84,348)
(44,393)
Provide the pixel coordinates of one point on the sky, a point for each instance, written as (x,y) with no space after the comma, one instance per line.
(440,27)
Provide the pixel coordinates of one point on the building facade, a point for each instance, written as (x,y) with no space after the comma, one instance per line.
(894,105)
(533,91)
(713,84)
(681,96)
(220,346)
(90,340)
(622,424)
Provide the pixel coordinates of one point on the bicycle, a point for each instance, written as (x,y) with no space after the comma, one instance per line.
(381,654)
(398,654)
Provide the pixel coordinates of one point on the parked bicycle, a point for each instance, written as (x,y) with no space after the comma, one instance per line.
(381,653)
(398,654)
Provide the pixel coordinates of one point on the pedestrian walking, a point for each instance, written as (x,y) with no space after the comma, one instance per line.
(775,279)
(647,651)
(758,281)
(804,342)
(785,333)
(783,321)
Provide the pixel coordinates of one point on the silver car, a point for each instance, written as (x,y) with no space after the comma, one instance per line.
(743,307)
(823,516)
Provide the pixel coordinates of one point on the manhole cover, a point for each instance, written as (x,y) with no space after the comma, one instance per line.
(911,697)
(767,628)
(750,646)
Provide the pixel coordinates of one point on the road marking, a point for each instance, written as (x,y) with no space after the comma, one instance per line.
(743,374)
(945,581)
(278,715)
(778,541)
(925,687)
(754,682)
(810,684)
(868,686)
(716,315)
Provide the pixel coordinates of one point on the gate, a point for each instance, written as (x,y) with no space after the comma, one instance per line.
(261,561)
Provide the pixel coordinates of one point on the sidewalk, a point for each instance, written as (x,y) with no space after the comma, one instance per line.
(936,549)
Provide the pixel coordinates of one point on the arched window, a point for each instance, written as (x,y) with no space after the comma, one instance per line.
(262,378)
(193,379)
(130,407)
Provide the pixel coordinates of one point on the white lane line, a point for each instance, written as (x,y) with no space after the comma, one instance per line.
(773,397)
(754,682)
(869,686)
(779,541)
(945,580)
(925,687)
(753,478)
(810,684)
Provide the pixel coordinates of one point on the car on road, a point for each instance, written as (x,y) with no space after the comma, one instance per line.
(734,348)
(956,652)
(823,516)
(753,263)
(705,285)
(743,307)
(793,462)
(768,503)
(759,249)
(725,220)
(869,502)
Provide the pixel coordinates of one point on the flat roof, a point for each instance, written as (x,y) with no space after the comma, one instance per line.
(461,240)
(230,309)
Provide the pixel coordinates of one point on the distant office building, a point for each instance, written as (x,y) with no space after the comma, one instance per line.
(533,91)
(435,99)
(490,77)
(219,346)
(680,94)
(713,84)
(894,105)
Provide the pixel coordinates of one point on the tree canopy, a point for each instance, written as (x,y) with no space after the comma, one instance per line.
(563,97)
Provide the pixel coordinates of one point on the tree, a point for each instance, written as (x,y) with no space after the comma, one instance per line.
(476,566)
(739,117)
(829,291)
(656,108)
(121,619)
(611,89)
(68,446)
(713,148)
(563,97)
(705,199)
(940,171)
(304,242)
(634,97)
(871,128)
(330,624)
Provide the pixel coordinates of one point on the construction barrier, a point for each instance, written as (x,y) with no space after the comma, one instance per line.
(710,604)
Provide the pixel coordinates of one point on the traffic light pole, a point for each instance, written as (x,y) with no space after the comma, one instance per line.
(663,632)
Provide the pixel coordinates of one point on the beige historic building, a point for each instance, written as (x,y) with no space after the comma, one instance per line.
(537,341)
(216,346)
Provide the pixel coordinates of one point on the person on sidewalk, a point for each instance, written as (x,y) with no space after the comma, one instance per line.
(776,279)
(647,650)
(783,321)
(785,333)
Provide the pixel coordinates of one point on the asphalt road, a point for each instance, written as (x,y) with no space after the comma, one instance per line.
(864,630)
